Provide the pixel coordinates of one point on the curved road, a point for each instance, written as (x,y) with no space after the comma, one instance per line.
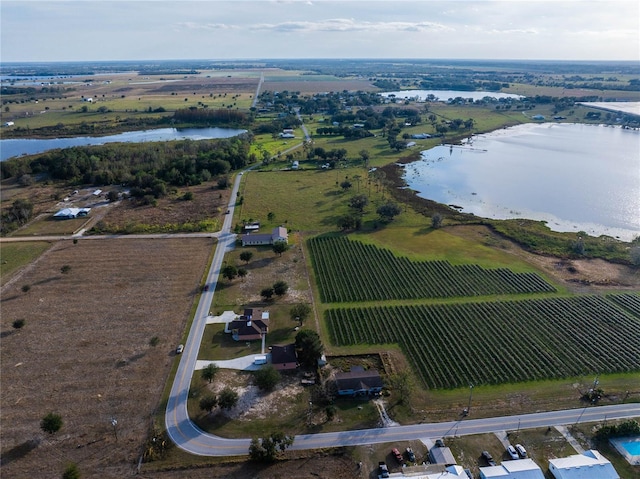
(195,441)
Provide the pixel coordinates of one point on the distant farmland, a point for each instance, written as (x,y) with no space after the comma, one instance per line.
(454,345)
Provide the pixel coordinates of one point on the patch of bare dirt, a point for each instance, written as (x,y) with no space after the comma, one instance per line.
(579,275)
(85,352)
(253,403)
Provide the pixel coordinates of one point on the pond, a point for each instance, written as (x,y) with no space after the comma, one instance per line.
(575,177)
(445,95)
(16,147)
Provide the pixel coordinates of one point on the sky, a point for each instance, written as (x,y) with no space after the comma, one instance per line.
(103,30)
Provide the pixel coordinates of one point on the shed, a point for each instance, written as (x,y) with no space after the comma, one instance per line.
(441,455)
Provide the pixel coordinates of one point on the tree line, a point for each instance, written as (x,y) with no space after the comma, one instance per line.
(148,166)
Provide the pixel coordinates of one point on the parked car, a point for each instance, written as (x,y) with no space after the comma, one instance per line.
(513,454)
(521,451)
(383,470)
(397,455)
(206,287)
(180,348)
(489,458)
(439,443)
(411,455)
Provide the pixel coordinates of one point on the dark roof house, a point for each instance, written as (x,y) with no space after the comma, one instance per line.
(251,325)
(359,382)
(284,358)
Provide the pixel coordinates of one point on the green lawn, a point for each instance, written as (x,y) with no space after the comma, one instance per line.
(16,255)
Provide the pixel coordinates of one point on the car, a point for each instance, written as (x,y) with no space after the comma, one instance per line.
(521,451)
(383,470)
(206,287)
(180,348)
(228,211)
(513,454)
(397,455)
(439,443)
(411,455)
(489,458)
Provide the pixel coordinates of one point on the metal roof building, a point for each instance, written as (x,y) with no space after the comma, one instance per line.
(588,465)
(517,469)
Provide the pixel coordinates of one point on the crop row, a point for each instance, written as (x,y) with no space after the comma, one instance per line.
(454,345)
(348,271)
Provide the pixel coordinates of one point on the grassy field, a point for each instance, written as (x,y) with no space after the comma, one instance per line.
(14,256)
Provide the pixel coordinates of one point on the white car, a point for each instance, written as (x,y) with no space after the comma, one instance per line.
(180,348)
(513,454)
(521,450)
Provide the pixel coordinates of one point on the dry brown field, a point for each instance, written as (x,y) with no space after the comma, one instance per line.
(85,351)
(208,202)
(319,86)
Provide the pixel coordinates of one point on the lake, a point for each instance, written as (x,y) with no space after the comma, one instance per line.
(444,95)
(575,177)
(16,147)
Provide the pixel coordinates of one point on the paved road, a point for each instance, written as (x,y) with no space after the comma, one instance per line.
(180,428)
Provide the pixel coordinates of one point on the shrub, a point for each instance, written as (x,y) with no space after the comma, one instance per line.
(18,323)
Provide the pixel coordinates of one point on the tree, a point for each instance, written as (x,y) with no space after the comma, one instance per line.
(112,196)
(309,347)
(402,383)
(364,156)
(280,247)
(271,216)
(21,211)
(51,423)
(25,288)
(634,254)
(209,372)
(71,472)
(388,211)
(65,269)
(18,324)
(268,448)
(359,202)
(267,293)
(246,256)
(266,378)
(229,272)
(242,273)
(347,222)
(345,185)
(436,221)
(227,398)
(299,312)
(208,402)
(280,288)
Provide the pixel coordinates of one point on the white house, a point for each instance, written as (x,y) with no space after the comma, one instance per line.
(518,469)
(588,465)
(255,239)
(70,213)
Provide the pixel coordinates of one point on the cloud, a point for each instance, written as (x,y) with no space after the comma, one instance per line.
(349,25)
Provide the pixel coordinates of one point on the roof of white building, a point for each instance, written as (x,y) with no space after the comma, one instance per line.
(588,465)
(518,469)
